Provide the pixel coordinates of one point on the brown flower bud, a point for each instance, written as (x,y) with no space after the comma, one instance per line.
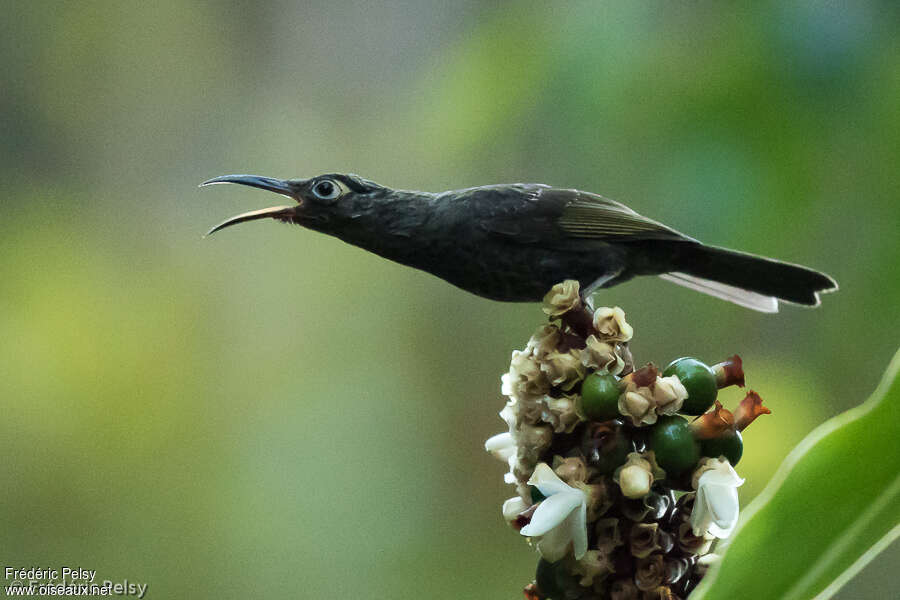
(712,424)
(729,372)
(650,572)
(690,543)
(749,408)
(643,539)
(609,536)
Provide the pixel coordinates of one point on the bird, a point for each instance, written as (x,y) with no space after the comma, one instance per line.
(513,242)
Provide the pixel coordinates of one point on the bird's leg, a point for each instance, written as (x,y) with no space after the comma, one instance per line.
(595,285)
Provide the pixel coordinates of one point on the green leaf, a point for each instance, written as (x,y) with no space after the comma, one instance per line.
(833,505)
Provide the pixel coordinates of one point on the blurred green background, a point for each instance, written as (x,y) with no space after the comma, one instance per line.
(272,413)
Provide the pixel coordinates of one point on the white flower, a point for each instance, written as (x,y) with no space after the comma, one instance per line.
(502,446)
(716,505)
(560,519)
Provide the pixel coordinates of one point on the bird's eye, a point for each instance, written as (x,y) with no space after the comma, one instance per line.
(327,189)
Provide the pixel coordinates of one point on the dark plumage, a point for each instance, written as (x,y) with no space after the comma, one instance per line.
(513,242)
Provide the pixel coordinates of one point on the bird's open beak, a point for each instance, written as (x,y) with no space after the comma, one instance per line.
(279,186)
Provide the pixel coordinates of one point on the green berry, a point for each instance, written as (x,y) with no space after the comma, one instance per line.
(674,445)
(699,381)
(730,445)
(600,397)
(611,451)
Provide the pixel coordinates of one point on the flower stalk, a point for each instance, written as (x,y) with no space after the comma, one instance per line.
(621,495)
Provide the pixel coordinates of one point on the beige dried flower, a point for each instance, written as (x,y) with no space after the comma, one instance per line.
(610,324)
(637,475)
(531,442)
(563,369)
(561,413)
(525,378)
(602,356)
(572,470)
(543,341)
(669,395)
(639,406)
(600,496)
(593,567)
(562,298)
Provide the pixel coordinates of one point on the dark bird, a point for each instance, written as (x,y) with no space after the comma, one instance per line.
(514,242)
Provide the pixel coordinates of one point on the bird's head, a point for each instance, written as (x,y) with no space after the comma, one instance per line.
(322,202)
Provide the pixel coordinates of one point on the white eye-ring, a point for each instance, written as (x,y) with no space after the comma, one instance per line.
(327,189)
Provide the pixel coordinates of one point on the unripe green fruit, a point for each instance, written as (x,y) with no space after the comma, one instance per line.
(612,453)
(674,445)
(699,381)
(600,397)
(730,445)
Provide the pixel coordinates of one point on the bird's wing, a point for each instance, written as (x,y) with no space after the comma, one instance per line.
(552,215)
(588,215)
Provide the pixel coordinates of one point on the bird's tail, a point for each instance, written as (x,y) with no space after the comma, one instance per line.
(752,281)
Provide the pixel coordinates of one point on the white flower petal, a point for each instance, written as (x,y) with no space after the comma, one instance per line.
(724,475)
(579,531)
(555,544)
(508,414)
(512,508)
(723,509)
(547,481)
(552,511)
(716,507)
(501,445)
(700,517)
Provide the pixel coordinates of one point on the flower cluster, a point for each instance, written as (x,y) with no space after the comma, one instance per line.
(622,496)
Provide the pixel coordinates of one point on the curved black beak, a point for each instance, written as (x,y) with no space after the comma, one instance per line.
(279,186)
